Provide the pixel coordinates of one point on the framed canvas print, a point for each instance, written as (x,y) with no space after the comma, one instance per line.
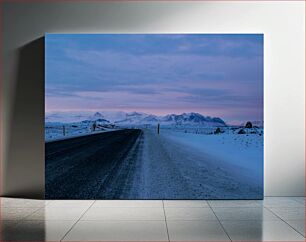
(154,116)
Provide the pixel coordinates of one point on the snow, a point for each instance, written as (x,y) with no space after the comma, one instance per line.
(244,150)
(64,124)
(135,118)
(72,135)
(55,130)
(178,165)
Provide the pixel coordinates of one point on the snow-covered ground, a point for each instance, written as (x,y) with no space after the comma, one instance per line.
(244,150)
(178,165)
(57,131)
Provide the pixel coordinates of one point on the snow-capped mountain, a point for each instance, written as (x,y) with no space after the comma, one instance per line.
(150,119)
(137,118)
(192,119)
(70,117)
(96,116)
(67,117)
(133,117)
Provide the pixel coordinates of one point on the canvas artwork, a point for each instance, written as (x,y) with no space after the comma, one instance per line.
(154,116)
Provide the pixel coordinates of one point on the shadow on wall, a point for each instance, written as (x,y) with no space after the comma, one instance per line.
(26,134)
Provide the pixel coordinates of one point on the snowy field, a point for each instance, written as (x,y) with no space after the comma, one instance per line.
(179,165)
(244,150)
(57,131)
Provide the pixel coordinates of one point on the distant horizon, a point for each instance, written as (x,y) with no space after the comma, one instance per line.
(148,113)
(216,75)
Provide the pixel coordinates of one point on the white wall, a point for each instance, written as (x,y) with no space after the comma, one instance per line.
(283,24)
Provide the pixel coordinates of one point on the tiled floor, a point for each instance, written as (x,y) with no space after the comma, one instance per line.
(274,219)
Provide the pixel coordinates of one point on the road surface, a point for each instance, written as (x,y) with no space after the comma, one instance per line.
(87,167)
(140,164)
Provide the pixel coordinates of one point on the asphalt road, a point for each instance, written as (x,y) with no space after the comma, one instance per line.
(96,166)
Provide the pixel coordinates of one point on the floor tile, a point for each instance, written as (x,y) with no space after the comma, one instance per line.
(139,220)
(235,203)
(7,227)
(16,213)
(261,231)
(22,203)
(8,223)
(124,214)
(189,214)
(290,213)
(70,203)
(298,225)
(58,213)
(39,230)
(128,203)
(300,200)
(196,231)
(118,231)
(185,203)
(244,214)
(281,202)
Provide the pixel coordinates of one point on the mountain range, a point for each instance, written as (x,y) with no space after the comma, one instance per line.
(135,118)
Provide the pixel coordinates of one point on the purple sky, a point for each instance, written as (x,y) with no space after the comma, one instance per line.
(217,75)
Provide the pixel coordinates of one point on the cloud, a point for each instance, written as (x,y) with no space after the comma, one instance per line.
(100,69)
(168,71)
